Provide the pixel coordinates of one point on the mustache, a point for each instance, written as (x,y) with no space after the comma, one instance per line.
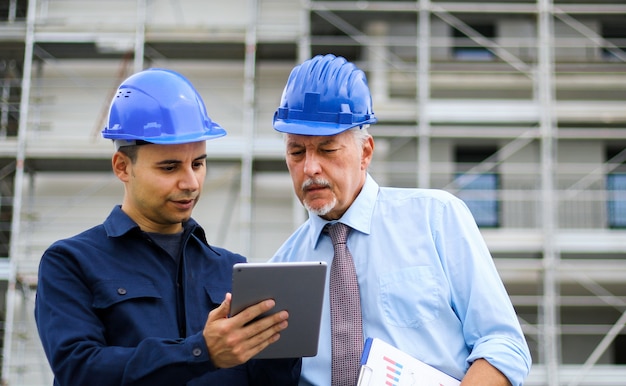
(321,182)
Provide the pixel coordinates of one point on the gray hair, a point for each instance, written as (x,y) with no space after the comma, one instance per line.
(360,133)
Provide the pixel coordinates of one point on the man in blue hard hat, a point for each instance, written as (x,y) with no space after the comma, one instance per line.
(143,299)
(425,280)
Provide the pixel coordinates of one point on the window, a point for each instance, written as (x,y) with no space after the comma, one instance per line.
(619,350)
(467,49)
(479,191)
(616,188)
(616,35)
(616,191)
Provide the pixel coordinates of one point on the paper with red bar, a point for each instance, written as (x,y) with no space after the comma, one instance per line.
(384,365)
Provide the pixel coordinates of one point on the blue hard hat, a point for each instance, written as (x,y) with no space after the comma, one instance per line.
(159,106)
(324,95)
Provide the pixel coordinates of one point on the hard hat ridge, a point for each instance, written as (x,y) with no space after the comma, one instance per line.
(324,95)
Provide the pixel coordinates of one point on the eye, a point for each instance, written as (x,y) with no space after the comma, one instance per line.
(296,152)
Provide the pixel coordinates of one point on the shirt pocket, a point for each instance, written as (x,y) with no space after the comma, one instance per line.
(110,292)
(215,296)
(410,297)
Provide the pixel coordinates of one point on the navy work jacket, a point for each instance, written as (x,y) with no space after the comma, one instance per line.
(113,308)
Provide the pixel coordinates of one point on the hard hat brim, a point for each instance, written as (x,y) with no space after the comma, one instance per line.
(315,128)
(169,140)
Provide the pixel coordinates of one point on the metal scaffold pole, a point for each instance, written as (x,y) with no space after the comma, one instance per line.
(245,190)
(17,195)
(423,94)
(545,99)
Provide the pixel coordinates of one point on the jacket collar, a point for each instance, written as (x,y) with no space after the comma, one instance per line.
(119,224)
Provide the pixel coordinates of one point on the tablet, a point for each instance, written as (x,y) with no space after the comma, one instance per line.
(297,287)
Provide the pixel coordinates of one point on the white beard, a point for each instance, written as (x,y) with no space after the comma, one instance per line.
(324,209)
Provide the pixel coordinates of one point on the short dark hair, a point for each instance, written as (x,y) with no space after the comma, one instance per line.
(130,152)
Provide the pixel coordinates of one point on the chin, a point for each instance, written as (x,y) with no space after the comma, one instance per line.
(320,210)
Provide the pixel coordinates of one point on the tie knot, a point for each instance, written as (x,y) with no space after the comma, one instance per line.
(338,232)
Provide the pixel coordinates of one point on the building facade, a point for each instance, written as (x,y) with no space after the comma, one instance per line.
(516,106)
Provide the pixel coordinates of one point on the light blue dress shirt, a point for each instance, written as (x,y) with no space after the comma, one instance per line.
(428,283)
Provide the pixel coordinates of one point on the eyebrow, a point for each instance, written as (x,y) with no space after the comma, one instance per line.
(293,143)
(325,142)
(176,161)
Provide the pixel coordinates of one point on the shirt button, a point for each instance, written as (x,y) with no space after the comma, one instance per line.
(197,352)
(121,291)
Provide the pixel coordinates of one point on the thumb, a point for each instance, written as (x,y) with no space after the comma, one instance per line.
(223,310)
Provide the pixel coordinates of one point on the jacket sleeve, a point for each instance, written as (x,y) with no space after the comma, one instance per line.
(73,337)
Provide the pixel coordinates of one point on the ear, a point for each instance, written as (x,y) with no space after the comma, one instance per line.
(121,166)
(367,152)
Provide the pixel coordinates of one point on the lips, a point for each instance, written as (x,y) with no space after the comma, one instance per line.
(184,204)
(315,184)
(312,188)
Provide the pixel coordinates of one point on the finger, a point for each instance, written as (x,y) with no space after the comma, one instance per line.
(231,343)
(249,314)
(265,337)
(223,309)
(264,329)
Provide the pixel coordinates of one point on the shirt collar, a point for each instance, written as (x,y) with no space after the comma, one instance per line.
(358,216)
(118,224)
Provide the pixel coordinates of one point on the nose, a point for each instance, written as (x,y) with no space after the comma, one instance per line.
(311,164)
(189,179)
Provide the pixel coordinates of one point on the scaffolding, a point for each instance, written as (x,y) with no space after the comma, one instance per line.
(532,91)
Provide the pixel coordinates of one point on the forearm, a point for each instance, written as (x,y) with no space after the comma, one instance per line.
(80,342)
(482,373)
(154,361)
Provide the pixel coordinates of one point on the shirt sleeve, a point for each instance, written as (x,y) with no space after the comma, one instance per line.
(490,325)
